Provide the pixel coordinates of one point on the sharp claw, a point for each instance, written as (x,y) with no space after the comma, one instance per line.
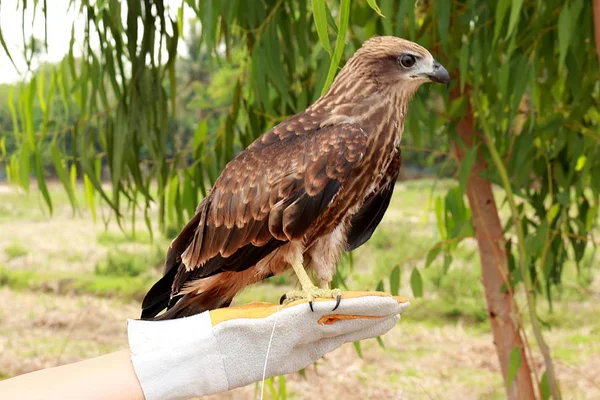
(338,299)
(283,298)
(310,303)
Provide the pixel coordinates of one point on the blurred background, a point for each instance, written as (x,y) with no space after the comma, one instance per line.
(116,117)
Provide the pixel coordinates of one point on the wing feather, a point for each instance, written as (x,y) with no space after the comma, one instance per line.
(268,195)
(277,189)
(368,217)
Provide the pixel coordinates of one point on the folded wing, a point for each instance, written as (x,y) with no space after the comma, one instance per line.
(269,195)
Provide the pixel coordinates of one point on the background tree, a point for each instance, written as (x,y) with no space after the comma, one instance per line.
(522,114)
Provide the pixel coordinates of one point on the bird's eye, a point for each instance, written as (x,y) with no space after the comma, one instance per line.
(407,60)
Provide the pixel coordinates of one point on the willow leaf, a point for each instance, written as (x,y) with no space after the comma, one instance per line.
(416,283)
(339,44)
(320,16)
(515,14)
(61,171)
(41,179)
(374,6)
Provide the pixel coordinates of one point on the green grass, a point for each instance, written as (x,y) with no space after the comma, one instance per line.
(404,237)
(117,264)
(55,347)
(124,287)
(116,238)
(129,264)
(15,250)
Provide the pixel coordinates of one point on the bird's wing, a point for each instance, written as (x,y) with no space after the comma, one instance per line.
(274,192)
(368,217)
(267,196)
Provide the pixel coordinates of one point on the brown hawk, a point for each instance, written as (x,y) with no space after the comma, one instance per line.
(313,186)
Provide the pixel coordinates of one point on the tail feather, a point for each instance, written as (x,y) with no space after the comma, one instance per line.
(160,295)
(194,303)
(157,298)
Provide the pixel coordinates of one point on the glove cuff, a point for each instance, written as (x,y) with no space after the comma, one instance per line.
(176,359)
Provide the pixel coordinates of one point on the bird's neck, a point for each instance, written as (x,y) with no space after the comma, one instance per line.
(378,111)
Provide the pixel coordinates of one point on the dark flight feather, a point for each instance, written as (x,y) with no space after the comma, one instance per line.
(368,217)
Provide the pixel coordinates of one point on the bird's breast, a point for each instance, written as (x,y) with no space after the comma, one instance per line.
(362,182)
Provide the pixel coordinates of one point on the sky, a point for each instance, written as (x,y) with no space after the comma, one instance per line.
(59,34)
(60,21)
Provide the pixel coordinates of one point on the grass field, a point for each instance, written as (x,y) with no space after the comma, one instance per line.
(67,286)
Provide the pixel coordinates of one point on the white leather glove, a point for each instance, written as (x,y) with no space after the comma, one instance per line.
(227,348)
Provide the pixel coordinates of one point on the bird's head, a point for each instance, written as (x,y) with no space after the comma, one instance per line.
(396,64)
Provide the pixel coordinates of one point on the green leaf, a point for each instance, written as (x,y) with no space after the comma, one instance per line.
(282,388)
(29,97)
(40,90)
(339,44)
(463,63)
(447,262)
(432,254)
(501,9)
(545,387)
(513,365)
(580,162)
(388,22)
(200,133)
(90,195)
(13,111)
(302,373)
(439,214)
(24,166)
(443,20)
(515,14)
(61,171)
(180,21)
(269,384)
(358,349)
(395,281)
(330,21)
(380,342)
(565,30)
(73,186)
(374,6)
(466,165)
(320,17)
(379,287)
(416,283)
(41,179)
(6,49)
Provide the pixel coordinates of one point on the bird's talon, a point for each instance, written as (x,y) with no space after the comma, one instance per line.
(338,299)
(311,294)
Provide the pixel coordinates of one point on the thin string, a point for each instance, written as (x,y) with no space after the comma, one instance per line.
(262,384)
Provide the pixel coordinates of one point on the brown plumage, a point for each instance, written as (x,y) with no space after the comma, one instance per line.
(308,189)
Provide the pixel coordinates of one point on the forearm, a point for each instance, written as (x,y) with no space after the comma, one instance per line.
(106,377)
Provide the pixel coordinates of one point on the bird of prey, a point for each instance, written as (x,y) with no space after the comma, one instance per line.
(305,191)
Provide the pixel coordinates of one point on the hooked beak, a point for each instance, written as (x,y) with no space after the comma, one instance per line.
(439,74)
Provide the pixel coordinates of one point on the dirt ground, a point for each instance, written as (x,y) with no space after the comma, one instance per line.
(423,358)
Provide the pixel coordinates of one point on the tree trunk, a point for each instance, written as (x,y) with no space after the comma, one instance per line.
(494,267)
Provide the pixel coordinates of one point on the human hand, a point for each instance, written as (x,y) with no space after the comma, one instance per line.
(227,348)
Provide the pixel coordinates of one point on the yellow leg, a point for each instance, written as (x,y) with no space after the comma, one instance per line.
(303,277)
(309,290)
